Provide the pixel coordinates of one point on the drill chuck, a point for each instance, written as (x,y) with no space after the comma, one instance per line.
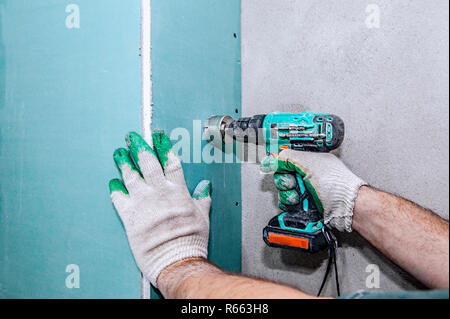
(247,129)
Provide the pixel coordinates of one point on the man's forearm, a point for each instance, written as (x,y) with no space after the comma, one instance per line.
(199,279)
(414,238)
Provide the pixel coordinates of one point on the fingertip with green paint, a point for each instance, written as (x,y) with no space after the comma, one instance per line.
(116,185)
(137,145)
(121,157)
(285,182)
(269,164)
(162,145)
(202,190)
(289,197)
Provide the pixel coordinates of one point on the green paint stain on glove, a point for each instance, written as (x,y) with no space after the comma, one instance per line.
(287,166)
(308,185)
(117,185)
(137,145)
(121,157)
(202,190)
(269,164)
(290,197)
(162,145)
(274,164)
(285,182)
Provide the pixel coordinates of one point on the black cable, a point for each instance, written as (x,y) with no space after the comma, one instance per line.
(332,246)
(330,260)
(337,278)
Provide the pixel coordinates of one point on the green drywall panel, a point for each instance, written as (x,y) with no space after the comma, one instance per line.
(197,73)
(67,98)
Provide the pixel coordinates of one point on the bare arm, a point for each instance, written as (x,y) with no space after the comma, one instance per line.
(400,229)
(414,238)
(197,278)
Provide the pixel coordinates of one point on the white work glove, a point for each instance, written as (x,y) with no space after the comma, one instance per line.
(164,224)
(332,185)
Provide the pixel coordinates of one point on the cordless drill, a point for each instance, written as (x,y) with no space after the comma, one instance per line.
(301,226)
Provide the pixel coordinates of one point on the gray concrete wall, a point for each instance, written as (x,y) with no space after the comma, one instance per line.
(389,84)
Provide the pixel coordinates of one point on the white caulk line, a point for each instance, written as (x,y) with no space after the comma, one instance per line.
(146,70)
(146,113)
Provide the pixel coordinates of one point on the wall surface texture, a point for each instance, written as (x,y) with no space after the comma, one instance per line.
(68,96)
(389,84)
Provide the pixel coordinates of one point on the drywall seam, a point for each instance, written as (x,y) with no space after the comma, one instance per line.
(146,115)
(146,70)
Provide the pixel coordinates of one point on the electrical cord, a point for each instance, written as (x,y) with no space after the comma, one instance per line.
(332,247)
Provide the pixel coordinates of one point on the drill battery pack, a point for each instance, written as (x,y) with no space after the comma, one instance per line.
(275,235)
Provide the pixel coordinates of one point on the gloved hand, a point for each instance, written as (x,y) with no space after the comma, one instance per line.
(164,224)
(332,185)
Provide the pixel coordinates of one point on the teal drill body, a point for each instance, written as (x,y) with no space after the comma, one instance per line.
(304,131)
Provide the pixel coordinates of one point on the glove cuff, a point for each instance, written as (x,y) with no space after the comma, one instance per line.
(174,251)
(340,215)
